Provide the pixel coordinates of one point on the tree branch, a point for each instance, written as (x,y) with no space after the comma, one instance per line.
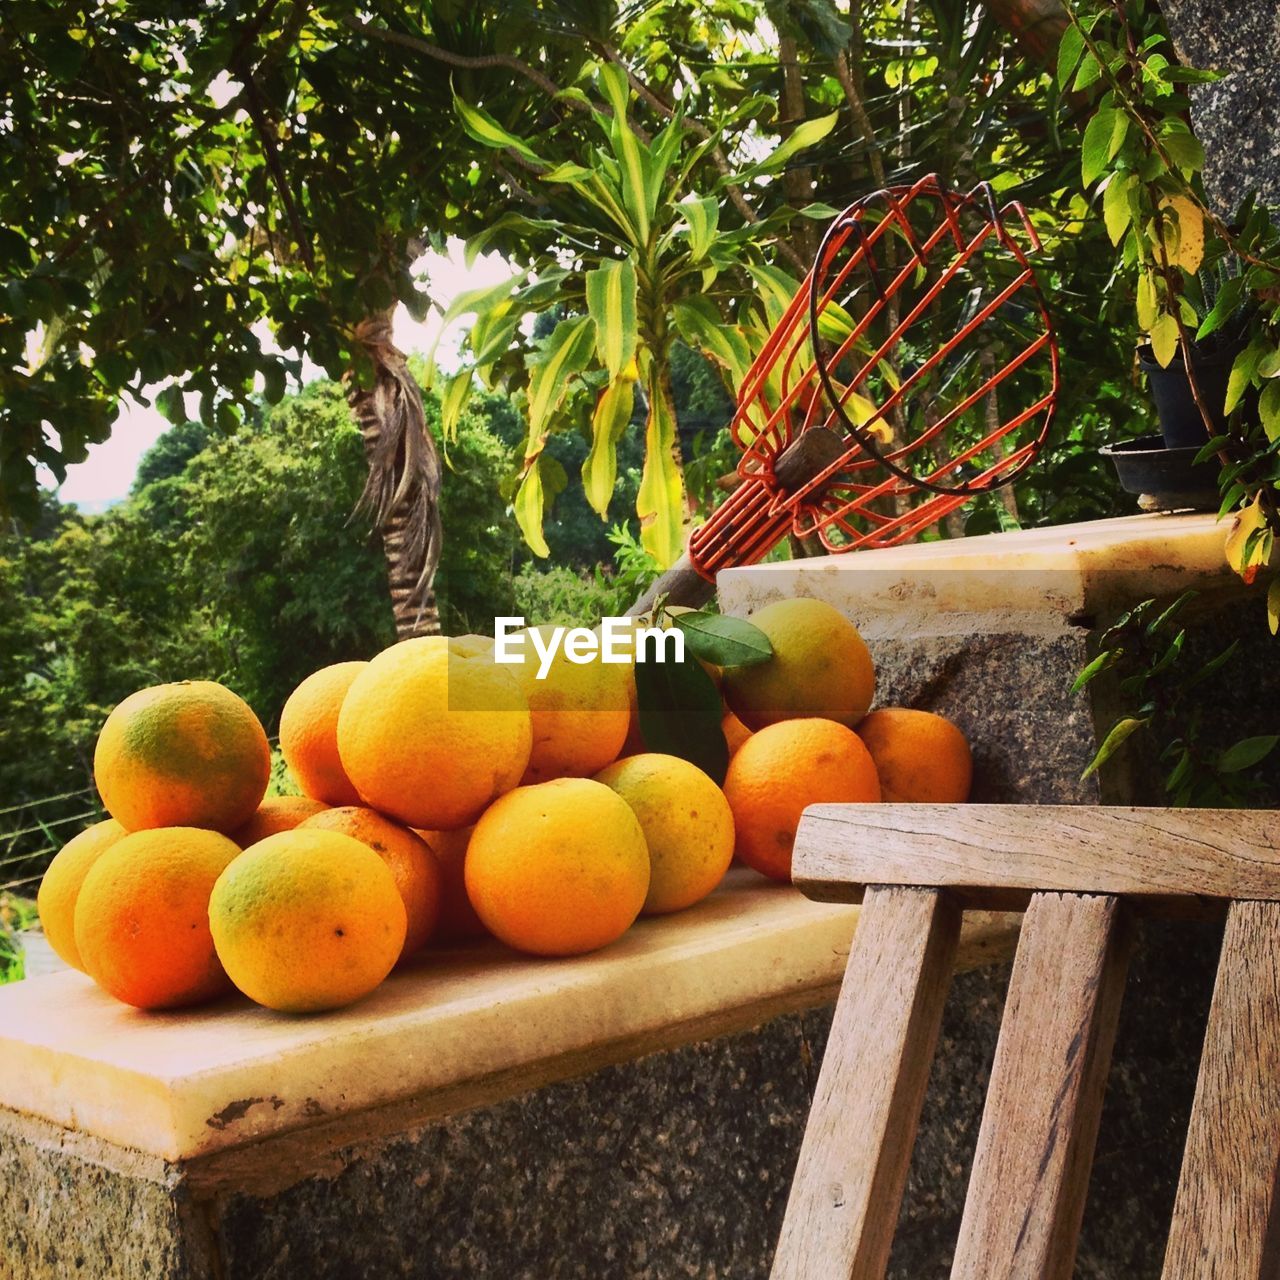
(875,157)
(275,166)
(467,62)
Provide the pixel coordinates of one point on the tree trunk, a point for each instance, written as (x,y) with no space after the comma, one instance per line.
(403,490)
(797,181)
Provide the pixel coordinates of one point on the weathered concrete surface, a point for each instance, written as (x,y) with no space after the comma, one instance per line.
(70,1206)
(1237,119)
(676,1164)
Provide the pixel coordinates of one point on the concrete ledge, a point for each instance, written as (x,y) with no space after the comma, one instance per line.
(455,1028)
(1030,581)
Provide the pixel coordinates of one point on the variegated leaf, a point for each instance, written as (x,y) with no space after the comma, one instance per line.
(486,130)
(567,352)
(611,303)
(453,399)
(528,506)
(660,501)
(608,423)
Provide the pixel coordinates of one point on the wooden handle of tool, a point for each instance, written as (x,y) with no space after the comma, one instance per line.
(681,584)
(810,453)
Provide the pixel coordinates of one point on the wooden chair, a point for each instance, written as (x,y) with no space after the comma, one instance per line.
(1080,873)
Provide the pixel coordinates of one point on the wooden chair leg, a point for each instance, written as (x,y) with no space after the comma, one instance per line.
(1225,1220)
(853,1163)
(1035,1148)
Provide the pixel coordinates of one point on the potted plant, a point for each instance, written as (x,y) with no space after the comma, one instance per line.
(1182,424)
(1167,471)
(1204,289)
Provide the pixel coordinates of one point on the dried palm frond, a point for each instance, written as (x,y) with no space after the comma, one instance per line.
(402,493)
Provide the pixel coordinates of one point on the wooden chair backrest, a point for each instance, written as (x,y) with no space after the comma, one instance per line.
(1080,873)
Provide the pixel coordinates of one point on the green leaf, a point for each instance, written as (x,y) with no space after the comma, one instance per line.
(615,87)
(566,353)
(1164,339)
(777,288)
(1158,623)
(492,337)
(528,505)
(1269,410)
(1119,734)
(1183,148)
(720,639)
(701,215)
(1070,48)
(680,712)
(1273,606)
(170,403)
(700,327)
(453,399)
(1227,301)
(660,500)
(1117,212)
(488,132)
(1090,72)
(1147,305)
(1269,365)
(1096,149)
(1243,368)
(635,161)
(611,303)
(1098,665)
(574,175)
(1213,666)
(1246,753)
(803,136)
(608,423)
(273,381)
(487,300)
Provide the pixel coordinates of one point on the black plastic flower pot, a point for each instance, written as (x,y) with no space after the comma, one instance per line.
(1181,423)
(1165,479)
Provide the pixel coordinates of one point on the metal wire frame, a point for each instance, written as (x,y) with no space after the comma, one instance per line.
(791,388)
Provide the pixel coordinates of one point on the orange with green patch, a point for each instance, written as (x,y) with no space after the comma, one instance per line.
(189,754)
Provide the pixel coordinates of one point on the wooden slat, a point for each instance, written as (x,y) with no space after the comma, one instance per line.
(1225,1222)
(1035,1147)
(853,1163)
(996,855)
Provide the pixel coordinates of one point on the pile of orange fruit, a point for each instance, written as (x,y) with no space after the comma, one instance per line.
(447,797)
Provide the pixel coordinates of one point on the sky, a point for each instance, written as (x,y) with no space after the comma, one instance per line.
(105,476)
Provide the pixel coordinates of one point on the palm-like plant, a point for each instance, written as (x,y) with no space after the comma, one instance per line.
(625,238)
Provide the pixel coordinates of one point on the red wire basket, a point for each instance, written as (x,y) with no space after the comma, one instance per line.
(920,306)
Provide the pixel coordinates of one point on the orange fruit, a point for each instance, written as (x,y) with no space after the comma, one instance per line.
(471,645)
(276,813)
(579,712)
(142,917)
(309,733)
(307,920)
(56,900)
(410,860)
(182,755)
(687,824)
(431,737)
(559,868)
(820,668)
(458,920)
(735,732)
(782,769)
(922,758)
